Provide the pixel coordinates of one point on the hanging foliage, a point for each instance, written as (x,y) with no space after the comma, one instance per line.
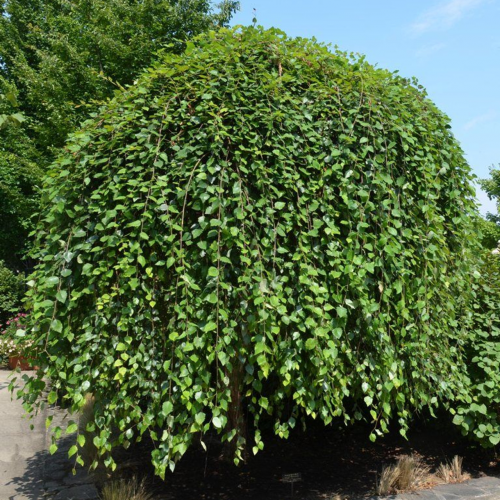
(478,413)
(258,230)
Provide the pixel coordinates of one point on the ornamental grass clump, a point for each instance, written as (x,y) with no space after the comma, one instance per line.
(258,232)
(407,474)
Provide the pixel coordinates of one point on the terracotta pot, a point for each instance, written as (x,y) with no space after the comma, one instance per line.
(20,362)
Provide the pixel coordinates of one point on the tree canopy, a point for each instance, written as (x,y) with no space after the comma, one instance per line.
(62,54)
(490,227)
(21,170)
(258,230)
(492,188)
(58,60)
(11,292)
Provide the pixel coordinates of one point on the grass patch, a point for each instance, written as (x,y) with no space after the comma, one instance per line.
(407,474)
(125,489)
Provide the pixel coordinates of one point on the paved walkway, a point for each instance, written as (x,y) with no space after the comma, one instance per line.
(27,470)
(484,488)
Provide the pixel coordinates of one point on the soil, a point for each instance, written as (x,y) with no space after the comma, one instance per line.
(331,462)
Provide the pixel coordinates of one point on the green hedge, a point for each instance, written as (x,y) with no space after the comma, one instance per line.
(479,414)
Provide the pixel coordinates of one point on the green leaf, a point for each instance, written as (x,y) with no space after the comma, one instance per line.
(61,296)
(211,325)
(72,427)
(52,281)
(311,344)
(167,408)
(56,325)
(494,439)
(212,298)
(341,312)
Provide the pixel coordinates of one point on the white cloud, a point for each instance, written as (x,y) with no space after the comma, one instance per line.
(444,16)
(477,120)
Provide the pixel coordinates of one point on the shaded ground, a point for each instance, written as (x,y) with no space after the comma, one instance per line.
(330,462)
(27,470)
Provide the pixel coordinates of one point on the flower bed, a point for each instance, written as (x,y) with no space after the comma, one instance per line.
(12,348)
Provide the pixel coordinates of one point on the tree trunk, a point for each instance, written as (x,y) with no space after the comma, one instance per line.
(235,415)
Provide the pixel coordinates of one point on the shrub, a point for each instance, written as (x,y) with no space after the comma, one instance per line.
(489,233)
(11,292)
(479,413)
(258,232)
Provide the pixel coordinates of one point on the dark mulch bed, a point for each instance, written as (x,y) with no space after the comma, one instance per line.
(330,460)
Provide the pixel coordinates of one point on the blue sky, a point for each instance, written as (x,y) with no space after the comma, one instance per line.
(451,46)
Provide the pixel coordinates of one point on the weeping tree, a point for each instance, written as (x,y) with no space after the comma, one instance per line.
(256,233)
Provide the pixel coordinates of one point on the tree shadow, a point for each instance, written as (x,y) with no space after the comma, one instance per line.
(30,484)
(47,474)
(4,384)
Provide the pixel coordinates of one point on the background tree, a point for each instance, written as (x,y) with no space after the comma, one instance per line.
(490,226)
(62,54)
(489,230)
(58,59)
(258,232)
(11,292)
(20,179)
(492,188)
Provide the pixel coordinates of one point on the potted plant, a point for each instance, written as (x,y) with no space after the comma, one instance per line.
(12,349)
